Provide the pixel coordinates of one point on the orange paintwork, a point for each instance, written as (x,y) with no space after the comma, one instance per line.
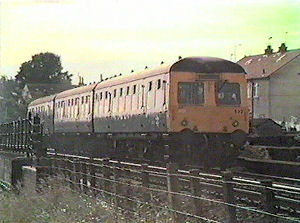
(209,117)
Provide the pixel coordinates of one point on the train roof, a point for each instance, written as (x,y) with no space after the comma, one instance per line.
(75,91)
(206,65)
(42,100)
(189,64)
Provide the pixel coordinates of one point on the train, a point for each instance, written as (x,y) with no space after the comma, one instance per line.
(194,110)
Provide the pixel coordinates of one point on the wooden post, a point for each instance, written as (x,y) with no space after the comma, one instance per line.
(70,173)
(93,176)
(39,150)
(229,197)
(196,192)
(84,176)
(77,178)
(106,175)
(173,187)
(145,182)
(268,198)
(116,185)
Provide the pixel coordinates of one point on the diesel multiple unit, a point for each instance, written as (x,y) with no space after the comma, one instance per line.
(194,109)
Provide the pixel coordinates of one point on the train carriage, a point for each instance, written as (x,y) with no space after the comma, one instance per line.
(196,106)
(44,107)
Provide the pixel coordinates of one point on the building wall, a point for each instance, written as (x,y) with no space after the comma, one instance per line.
(285,93)
(261,101)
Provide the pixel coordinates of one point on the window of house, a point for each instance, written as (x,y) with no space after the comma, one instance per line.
(100,97)
(115,93)
(158,84)
(72,102)
(96,97)
(121,92)
(82,99)
(134,89)
(106,94)
(255,90)
(150,86)
(69,102)
(86,99)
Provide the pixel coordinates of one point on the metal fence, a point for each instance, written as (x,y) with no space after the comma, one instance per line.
(23,135)
(186,195)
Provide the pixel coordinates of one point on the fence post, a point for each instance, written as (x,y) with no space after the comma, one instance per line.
(84,176)
(93,176)
(196,192)
(71,174)
(14,135)
(116,186)
(145,183)
(229,197)
(268,198)
(39,150)
(173,187)
(77,178)
(106,175)
(17,135)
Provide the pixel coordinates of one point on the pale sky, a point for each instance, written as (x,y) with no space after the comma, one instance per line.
(116,36)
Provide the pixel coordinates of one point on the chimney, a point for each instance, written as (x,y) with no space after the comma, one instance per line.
(269,50)
(282,48)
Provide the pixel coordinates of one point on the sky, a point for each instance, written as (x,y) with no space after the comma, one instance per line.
(109,37)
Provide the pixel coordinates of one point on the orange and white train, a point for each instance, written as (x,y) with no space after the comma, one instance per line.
(193,109)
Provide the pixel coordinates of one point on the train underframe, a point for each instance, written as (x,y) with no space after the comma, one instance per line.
(185,148)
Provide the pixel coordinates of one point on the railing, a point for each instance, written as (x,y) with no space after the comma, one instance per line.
(21,135)
(187,195)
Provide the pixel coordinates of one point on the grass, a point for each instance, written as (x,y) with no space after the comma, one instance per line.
(55,203)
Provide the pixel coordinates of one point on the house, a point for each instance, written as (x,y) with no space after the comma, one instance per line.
(274,85)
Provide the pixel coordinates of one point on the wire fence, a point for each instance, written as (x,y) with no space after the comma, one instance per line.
(190,196)
(186,197)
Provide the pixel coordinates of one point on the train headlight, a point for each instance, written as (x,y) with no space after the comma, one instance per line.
(184,122)
(235,123)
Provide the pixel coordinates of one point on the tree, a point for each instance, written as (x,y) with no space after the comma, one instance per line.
(43,68)
(10,98)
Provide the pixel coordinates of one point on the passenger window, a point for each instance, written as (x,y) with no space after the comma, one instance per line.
(134,89)
(150,86)
(229,94)
(158,84)
(127,93)
(190,93)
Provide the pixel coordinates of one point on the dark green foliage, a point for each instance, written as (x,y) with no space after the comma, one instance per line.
(11,106)
(43,68)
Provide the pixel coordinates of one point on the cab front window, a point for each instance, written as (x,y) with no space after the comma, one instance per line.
(190,93)
(229,94)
